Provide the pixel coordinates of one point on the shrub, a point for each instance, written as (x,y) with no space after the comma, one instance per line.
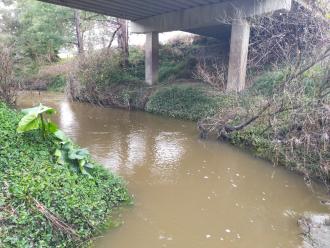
(182,102)
(214,75)
(103,69)
(276,38)
(57,83)
(136,63)
(289,124)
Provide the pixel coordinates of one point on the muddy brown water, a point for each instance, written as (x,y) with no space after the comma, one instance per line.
(188,193)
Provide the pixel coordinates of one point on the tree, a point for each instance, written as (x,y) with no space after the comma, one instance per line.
(38,31)
(123,40)
(79,34)
(42,30)
(8,86)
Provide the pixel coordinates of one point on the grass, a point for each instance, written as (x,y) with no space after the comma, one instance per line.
(171,70)
(37,194)
(184,102)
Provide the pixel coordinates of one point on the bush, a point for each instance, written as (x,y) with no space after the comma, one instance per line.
(284,118)
(104,69)
(136,63)
(182,102)
(266,84)
(44,204)
(57,83)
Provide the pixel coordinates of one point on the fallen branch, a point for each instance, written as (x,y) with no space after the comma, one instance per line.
(56,221)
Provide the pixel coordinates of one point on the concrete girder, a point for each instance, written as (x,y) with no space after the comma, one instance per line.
(208,15)
(235,13)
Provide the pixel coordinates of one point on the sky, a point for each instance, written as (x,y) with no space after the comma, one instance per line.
(139,39)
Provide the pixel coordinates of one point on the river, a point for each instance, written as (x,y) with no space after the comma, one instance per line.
(188,193)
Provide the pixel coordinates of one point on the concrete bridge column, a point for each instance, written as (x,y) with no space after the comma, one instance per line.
(239,47)
(152,57)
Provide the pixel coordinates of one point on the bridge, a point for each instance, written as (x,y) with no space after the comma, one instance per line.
(213,18)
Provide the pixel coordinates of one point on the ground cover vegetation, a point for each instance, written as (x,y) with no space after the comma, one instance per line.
(52,193)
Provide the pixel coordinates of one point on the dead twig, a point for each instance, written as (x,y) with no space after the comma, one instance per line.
(56,221)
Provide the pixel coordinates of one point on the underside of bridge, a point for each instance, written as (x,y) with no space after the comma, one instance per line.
(214,18)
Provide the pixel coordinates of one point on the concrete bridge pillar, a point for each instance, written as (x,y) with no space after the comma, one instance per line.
(152,57)
(239,47)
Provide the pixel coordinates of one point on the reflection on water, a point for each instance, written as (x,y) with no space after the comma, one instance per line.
(136,149)
(188,193)
(67,118)
(168,149)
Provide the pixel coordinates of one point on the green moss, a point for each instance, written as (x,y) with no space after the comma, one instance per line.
(182,102)
(29,174)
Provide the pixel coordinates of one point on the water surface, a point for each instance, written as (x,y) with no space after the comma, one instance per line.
(188,193)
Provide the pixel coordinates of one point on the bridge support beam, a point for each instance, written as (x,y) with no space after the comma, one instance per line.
(239,47)
(207,15)
(152,57)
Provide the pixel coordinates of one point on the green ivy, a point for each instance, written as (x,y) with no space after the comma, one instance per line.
(183,102)
(29,172)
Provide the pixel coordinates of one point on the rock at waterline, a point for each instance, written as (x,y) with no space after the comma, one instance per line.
(316,229)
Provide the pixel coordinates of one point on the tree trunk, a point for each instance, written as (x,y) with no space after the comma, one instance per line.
(80,40)
(123,40)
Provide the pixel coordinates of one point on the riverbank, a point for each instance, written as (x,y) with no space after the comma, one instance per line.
(167,168)
(44,204)
(270,139)
(268,118)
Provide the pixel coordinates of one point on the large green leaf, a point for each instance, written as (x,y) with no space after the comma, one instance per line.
(61,136)
(32,120)
(78,154)
(28,123)
(41,109)
(51,127)
(59,157)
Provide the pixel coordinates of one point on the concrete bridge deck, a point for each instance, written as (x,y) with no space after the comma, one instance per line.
(204,17)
